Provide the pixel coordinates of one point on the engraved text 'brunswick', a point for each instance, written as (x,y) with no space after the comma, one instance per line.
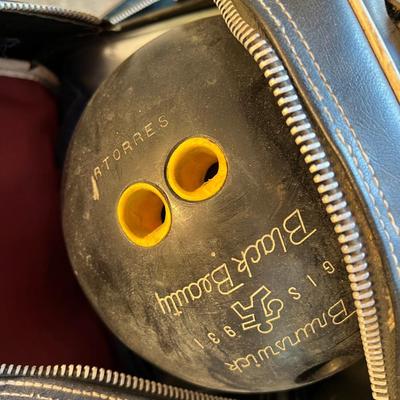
(292,232)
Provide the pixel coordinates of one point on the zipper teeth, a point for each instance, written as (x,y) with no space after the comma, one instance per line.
(328,187)
(48,10)
(103,376)
(126,13)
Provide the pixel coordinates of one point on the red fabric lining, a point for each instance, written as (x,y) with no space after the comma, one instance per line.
(44,317)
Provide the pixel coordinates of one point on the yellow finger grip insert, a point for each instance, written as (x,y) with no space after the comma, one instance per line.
(197,169)
(144,214)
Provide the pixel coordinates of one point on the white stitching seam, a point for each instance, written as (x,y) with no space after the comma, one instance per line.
(338,131)
(27,396)
(60,389)
(346,119)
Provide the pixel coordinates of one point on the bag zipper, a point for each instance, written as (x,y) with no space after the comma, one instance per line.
(55,11)
(119,16)
(332,196)
(107,377)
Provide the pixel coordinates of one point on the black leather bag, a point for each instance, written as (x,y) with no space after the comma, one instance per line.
(336,79)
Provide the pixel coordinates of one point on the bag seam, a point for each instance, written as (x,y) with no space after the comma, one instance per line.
(349,148)
(60,389)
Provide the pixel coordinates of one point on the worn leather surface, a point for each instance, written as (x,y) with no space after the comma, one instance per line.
(347,94)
